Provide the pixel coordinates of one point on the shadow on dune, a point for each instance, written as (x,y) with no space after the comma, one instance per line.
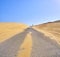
(44,46)
(10,47)
(43,36)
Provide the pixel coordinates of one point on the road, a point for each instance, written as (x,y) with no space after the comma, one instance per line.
(42,46)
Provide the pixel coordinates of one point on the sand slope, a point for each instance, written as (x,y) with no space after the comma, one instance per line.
(51,29)
(7,30)
(29,43)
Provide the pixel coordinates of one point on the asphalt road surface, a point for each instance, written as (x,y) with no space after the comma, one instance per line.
(43,46)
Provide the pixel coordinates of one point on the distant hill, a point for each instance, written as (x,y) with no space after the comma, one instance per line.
(57,21)
(52,29)
(8,30)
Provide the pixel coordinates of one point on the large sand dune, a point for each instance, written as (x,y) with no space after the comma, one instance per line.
(20,41)
(8,30)
(51,29)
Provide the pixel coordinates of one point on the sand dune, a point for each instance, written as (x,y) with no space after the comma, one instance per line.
(7,30)
(29,43)
(24,41)
(51,29)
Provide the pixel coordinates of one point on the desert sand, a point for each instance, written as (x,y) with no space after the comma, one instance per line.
(19,40)
(50,29)
(8,30)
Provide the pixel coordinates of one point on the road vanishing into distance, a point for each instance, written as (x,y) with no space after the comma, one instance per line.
(42,46)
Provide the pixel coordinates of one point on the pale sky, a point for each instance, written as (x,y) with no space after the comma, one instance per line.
(29,11)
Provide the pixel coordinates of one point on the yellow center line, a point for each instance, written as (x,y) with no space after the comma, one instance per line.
(26,47)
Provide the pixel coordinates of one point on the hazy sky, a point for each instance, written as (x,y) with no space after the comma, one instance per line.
(29,11)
